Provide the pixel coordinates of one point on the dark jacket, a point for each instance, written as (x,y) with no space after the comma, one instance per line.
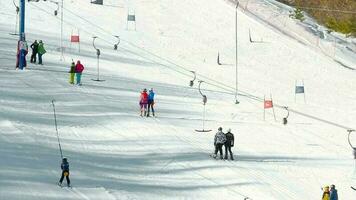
(333,194)
(34,47)
(229,139)
(72,68)
(65,166)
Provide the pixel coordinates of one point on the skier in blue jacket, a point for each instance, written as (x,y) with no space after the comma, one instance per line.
(65,172)
(151,102)
(333,193)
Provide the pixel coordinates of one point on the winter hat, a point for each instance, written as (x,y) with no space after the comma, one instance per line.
(145,90)
(332,186)
(326,188)
(64,159)
(220,128)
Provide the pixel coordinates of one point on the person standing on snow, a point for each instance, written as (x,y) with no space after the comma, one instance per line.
(333,193)
(229,143)
(151,102)
(22,50)
(41,51)
(326,194)
(65,172)
(78,72)
(219,141)
(143,102)
(34,47)
(72,73)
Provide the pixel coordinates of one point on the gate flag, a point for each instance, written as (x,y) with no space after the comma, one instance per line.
(74,38)
(299,89)
(268,104)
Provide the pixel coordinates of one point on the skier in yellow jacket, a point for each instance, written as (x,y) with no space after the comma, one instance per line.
(326,193)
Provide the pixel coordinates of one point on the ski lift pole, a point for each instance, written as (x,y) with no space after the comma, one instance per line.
(236,63)
(285,121)
(353,148)
(191,83)
(204,102)
(17,16)
(97,58)
(118,42)
(55,122)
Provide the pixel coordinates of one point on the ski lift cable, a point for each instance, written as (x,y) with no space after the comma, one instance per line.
(216,83)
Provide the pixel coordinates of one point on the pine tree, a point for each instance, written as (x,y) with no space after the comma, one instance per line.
(297,14)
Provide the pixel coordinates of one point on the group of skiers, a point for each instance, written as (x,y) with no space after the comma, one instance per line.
(147,102)
(76,70)
(223,139)
(37,49)
(22,51)
(330,193)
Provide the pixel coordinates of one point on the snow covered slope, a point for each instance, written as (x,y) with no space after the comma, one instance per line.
(115,154)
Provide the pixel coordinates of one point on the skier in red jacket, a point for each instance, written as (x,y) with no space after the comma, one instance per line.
(78,72)
(143,102)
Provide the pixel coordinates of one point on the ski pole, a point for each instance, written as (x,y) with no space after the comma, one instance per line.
(55,122)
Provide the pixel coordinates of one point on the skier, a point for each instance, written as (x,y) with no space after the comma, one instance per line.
(41,51)
(326,194)
(333,193)
(219,141)
(65,172)
(229,143)
(22,49)
(151,102)
(72,73)
(143,102)
(34,47)
(78,72)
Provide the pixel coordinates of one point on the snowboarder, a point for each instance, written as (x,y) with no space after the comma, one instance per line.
(333,193)
(151,102)
(143,102)
(65,172)
(229,143)
(34,47)
(72,73)
(326,194)
(78,72)
(219,141)
(41,51)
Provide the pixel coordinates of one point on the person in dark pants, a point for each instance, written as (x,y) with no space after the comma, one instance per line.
(34,47)
(229,143)
(65,172)
(151,102)
(219,141)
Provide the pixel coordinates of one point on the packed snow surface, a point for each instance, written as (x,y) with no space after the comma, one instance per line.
(116,154)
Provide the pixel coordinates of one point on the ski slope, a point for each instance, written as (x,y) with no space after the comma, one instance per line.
(115,154)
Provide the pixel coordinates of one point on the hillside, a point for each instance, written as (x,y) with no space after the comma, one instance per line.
(337,15)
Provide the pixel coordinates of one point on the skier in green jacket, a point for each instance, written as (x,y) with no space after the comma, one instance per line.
(41,51)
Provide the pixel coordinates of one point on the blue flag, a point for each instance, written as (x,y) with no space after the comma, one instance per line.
(299,89)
